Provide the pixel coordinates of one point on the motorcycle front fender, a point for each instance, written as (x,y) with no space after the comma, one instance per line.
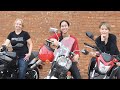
(91,65)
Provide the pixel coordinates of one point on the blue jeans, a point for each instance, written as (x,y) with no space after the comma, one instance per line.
(22,64)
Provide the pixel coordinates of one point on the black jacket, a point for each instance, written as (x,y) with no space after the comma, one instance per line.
(110,47)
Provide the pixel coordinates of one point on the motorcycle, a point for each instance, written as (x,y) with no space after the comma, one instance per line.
(9,66)
(104,66)
(59,58)
(61,63)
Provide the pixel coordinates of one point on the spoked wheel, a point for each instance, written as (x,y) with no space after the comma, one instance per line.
(32,74)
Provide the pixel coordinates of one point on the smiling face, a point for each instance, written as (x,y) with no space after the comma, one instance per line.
(64,27)
(18,24)
(104,30)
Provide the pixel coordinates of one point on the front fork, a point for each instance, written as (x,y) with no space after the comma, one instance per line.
(52,71)
(93,73)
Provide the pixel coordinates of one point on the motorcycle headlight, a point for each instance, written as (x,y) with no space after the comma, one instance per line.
(64,62)
(103,69)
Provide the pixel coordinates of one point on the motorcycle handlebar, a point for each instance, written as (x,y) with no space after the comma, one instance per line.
(93,47)
(89,45)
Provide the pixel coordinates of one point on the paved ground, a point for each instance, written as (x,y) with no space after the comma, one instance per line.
(44,71)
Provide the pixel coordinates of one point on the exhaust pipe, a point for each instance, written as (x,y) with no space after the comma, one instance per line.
(36,64)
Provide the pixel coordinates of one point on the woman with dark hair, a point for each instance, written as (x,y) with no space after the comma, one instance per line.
(64,28)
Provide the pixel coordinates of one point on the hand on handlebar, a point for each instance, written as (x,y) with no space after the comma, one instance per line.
(118,63)
(3,48)
(76,58)
(93,54)
(54,42)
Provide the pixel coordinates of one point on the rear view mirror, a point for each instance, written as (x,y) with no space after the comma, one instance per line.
(90,35)
(53,30)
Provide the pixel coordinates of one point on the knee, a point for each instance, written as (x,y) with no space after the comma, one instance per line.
(93,59)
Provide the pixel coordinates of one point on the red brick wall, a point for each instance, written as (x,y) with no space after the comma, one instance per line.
(37,23)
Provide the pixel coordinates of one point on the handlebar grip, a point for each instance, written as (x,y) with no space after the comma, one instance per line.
(72,53)
(85,52)
(49,41)
(3,48)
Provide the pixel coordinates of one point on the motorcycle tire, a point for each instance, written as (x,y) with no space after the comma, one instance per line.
(32,74)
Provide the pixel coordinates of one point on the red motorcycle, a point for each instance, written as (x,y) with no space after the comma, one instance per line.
(104,66)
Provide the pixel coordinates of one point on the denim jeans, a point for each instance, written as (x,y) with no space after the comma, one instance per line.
(22,64)
(1,62)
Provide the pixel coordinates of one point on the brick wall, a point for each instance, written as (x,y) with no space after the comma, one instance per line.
(37,23)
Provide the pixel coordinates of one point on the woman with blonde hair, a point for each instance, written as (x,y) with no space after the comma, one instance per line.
(21,44)
(107,42)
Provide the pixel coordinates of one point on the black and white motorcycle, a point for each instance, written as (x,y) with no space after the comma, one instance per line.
(9,67)
(61,63)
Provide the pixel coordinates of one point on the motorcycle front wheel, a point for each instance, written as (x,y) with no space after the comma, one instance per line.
(32,74)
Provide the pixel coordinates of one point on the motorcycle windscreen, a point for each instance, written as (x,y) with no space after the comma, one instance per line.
(106,57)
(67,44)
(62,51)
